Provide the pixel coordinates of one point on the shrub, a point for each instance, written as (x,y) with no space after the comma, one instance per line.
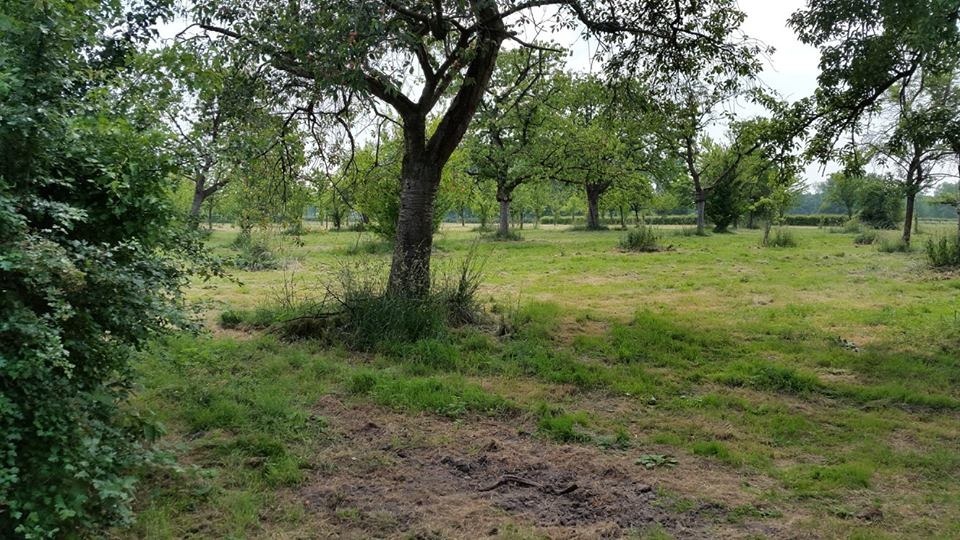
(255,254)
(359,313)
(853,226)
(294,229)
(892,244)
(90,253)
(815,220)
(881,204)
(582,228)
(867,237)
(781,238)
(944,252)
(686,219)
(643,239)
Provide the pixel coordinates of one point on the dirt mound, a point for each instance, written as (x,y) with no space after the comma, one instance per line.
(390,475)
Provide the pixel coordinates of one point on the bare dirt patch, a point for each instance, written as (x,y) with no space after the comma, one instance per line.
(385,474)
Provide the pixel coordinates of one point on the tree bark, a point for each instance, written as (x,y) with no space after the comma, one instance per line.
(593,208)
(908,221)
(410,269)
(701,200)
(503,228)
(197,203)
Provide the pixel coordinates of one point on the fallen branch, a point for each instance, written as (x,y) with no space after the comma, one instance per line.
(510,478)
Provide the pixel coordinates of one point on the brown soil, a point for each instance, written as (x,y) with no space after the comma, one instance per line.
(387,475)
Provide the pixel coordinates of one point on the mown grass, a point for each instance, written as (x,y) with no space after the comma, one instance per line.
(829,368)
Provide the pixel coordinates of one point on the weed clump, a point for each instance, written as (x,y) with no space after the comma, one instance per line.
(866,237)
(509,236)
(943,252)
(254,253)
(886,244)
(359,312)
(764,376)
(781,238)
(561,426)
(643,239)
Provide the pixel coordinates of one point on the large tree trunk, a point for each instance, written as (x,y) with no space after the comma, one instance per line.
(593,209)
(199,194)
(410,269)
(701,200)
(503,229)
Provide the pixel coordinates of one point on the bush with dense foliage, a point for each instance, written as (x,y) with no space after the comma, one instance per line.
(88,253)
(881,204)
(943,252)
(641,239)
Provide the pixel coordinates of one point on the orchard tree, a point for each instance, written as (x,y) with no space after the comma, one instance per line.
(509,148)
(869,48)
(843,188)
(215,101)
(426,60)
(918,139)
(595,143)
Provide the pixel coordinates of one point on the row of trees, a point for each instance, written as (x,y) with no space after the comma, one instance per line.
(633,139)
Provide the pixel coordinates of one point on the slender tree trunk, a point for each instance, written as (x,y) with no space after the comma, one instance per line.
(210,217)
(623,220)
(463,219)
(636,216)
(410,269)
(908,222)
(957,151)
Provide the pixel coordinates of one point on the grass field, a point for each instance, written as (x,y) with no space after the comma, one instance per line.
(716,389)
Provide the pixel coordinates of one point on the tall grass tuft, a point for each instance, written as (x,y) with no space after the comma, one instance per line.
(890,244)
(866,237)
(358,312)
(781,238)
(943,252)
(642,239)
(254,253)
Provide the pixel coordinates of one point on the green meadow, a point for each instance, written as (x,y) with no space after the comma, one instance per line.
(811,391)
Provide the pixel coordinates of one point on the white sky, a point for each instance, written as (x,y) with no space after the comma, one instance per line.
(793,69)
